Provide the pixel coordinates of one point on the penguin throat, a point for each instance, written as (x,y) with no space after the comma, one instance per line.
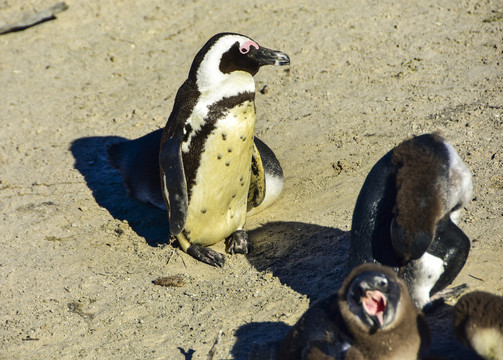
(374,303)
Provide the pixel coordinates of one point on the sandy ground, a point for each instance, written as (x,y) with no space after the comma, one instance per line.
(78,256)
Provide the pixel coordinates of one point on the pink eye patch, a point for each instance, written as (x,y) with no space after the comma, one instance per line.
(246,46)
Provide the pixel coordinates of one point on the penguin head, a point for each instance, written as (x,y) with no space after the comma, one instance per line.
(373,296)
(422,187)
(231,56)
(410,245)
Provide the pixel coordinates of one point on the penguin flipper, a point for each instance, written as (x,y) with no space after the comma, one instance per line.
(173,183)
(273,173)
(256,193)
(452,245)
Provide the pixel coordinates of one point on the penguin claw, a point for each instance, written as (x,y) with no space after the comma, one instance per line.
(238,243)
(206,255)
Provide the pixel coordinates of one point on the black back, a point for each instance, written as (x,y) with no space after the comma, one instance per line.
(370,228)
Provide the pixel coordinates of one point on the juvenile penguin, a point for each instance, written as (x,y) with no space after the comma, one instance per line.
(478,323)
(370,317)
(137,161)
(406,212)
(211,171)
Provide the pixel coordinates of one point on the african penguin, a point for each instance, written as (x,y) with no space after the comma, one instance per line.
(370,317)
(211,171)
(406,212)
(478,323)
(137,161)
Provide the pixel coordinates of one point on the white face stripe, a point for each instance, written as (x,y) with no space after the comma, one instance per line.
(209,74)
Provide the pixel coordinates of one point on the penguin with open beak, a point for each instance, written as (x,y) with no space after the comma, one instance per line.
(371,316)
(210,166)
(406,212)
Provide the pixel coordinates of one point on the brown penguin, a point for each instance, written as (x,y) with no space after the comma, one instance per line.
(478,323)
(372,316)
(406,213)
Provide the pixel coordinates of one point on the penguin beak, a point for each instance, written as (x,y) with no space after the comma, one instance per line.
(265,56)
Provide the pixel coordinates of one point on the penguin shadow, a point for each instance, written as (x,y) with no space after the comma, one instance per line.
(311,259)
(258,340)
(105,182)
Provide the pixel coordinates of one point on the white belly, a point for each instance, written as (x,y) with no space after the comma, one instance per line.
(427,270)
(217,206)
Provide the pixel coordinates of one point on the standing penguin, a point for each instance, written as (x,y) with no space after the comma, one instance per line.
(406,212)
(371,317)
(478,323)
(211,171)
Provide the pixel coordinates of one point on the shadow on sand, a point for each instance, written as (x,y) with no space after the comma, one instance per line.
(309,258)
(90,155)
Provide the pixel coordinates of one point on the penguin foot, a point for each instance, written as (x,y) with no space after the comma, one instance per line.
(439,298)
(206,255)
(238,243)
(444,294)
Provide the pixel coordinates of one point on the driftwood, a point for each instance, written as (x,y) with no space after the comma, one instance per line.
(30,20)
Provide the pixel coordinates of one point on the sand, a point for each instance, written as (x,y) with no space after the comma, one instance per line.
(79,257)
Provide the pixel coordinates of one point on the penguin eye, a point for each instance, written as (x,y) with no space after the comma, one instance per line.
(246,47)
(383,282)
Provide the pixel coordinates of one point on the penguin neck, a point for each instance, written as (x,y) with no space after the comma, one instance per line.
(230,85)
(233,85)
(226,85)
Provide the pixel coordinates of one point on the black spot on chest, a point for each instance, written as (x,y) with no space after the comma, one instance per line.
(192,158)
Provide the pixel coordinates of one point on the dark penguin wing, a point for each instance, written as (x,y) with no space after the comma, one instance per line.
(173,183)
(452,245)
(138,162)
(269,160)
(273,175)
(256,193)
(372,216)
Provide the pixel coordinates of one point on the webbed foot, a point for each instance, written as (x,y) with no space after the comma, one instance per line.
(238,243)
(438,299)
(206,255)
